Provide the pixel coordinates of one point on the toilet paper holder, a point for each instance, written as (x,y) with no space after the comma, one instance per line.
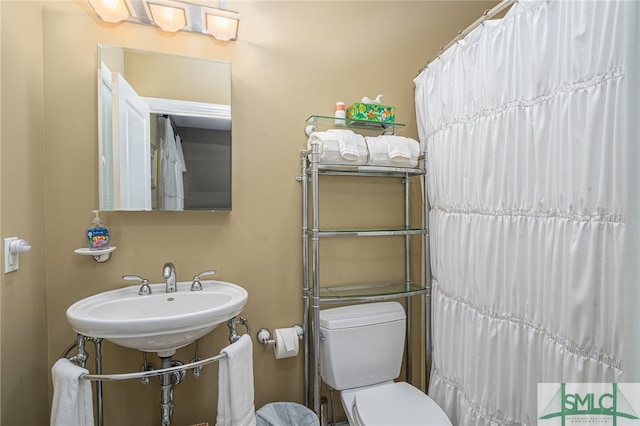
(264,335)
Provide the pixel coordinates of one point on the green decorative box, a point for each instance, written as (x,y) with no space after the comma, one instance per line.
(372,112)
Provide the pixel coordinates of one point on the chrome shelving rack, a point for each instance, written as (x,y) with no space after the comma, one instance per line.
(314,295)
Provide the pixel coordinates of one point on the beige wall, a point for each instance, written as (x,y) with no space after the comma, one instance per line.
(292,59)
(22,144)
(178,77)
(1,281)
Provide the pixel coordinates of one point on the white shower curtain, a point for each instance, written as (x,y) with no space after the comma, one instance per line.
(523,124)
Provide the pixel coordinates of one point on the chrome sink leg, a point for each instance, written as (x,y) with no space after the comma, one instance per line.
(146,366)
(97,341)
(196,358)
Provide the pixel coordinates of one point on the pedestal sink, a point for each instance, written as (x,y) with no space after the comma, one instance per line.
(160,322)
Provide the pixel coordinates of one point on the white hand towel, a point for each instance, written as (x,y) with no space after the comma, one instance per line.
(380,151)
(398,148)
(348,143)
(235,385)
(72,401)
(329,150)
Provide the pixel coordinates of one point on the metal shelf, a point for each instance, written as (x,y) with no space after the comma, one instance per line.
(370,232)
(328,121)
(314,294)
(349,170)
(369,292)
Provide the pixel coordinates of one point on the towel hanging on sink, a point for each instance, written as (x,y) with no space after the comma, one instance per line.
(72,403)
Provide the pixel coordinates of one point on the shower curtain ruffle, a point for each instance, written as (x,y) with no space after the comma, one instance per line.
(522,123)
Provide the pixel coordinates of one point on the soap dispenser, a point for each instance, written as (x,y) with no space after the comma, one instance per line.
(98,233)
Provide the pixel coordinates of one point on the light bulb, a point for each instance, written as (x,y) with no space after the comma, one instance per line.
(221,27)
(110,10)
(169,18)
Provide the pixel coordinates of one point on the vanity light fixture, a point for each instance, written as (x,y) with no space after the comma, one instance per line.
(172,16)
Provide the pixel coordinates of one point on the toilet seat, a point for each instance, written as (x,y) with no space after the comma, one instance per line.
(397,404)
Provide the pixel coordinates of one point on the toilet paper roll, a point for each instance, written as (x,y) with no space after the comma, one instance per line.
(287,344)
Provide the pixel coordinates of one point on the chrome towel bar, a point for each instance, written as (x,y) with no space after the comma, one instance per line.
(151,373)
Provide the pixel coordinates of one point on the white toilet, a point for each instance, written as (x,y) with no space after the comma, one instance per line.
(361,355)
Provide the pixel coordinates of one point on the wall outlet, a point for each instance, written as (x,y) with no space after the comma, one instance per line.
(10,259)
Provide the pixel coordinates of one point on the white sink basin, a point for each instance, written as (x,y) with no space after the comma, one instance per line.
(160,322)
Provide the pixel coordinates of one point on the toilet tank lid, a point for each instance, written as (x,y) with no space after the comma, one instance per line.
(359,315)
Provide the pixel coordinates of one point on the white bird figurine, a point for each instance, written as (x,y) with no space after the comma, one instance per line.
(376,101)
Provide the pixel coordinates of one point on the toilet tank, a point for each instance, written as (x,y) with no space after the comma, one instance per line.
(361,344)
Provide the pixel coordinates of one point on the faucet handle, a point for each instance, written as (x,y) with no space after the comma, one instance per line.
(196,285)
(145,289)
(133,278)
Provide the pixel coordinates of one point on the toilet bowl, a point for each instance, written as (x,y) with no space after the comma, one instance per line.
(361,356)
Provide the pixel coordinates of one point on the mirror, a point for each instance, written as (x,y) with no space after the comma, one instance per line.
(164,124)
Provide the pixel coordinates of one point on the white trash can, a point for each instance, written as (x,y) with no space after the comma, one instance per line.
(286,414)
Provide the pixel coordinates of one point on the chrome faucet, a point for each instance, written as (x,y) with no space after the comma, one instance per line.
(169,274)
